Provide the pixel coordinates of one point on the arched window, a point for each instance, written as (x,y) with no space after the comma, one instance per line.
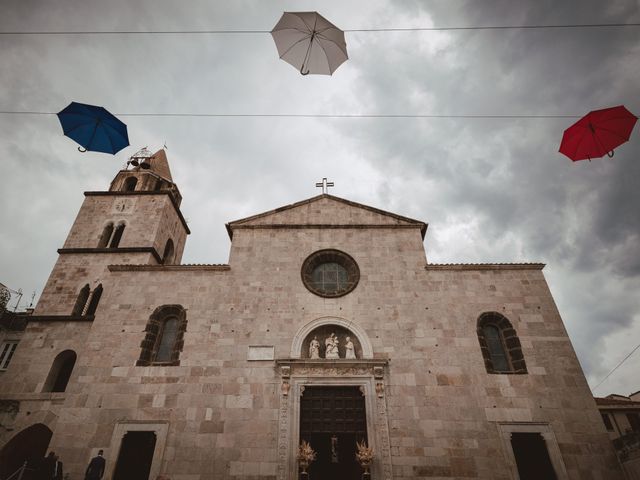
(87,301)
(117,235)
(164,337)
(81,301)
(499,344)
(166,340)
(130,184)
(106,235)
(167,258)
(95,299)
(60,372)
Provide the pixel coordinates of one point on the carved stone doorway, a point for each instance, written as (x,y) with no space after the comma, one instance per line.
(135,456)
(332,420)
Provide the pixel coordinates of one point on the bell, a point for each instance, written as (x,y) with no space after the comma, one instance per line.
(146,165)
(134,162)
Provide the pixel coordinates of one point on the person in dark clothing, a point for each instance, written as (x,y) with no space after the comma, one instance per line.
(57,469)
(95,470)
(47,467)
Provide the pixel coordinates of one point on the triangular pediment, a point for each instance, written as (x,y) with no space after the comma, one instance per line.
(329,211)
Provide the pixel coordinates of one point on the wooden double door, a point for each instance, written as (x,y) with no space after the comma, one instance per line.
(332,420)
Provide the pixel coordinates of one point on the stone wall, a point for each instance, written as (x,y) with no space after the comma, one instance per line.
(222,411)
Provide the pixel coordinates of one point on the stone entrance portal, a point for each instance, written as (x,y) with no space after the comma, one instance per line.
(320,399)
(332,420)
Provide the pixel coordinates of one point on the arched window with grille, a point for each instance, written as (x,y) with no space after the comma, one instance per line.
(106,235)
(60,372)
(81,301)
(164,336)
(117,236)
(95,299)
(499,344)
(87,301)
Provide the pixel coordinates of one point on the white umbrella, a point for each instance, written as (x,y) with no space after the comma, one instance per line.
(309,42)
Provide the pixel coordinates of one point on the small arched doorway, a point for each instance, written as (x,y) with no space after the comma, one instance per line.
(130,184)
(167,257)
(30,445)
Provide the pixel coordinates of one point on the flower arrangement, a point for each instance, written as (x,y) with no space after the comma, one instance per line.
(306,455)
(364,455)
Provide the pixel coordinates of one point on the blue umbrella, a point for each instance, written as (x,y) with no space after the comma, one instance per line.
(94,128)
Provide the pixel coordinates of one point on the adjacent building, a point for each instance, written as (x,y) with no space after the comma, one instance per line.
(621,417)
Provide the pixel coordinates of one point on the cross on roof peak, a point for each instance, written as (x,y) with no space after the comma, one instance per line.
(324,185)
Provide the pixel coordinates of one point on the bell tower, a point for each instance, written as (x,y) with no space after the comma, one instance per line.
(136,221)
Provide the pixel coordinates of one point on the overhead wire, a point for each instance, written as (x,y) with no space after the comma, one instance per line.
(305,115)
(616,367)
(354,30)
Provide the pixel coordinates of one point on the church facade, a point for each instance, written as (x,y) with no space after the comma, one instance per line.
(328,325)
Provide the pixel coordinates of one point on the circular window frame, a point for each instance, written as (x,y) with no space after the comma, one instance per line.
(330,255)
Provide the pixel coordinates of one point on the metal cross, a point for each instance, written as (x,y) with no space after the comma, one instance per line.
(324,185)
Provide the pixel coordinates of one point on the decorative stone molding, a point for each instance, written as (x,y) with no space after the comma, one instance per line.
(305,330)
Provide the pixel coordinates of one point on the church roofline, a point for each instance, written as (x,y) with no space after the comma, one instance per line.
(615,402)
(412,222)
(484,266)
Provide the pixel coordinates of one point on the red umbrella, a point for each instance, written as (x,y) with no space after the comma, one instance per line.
(598,133)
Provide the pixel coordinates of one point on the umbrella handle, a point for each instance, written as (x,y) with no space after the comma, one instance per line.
(610,154)
(82,150)
(304,73)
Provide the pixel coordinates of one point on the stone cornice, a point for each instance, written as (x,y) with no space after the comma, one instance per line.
(142,193)
(60,318)
(293,226)
(168,268)
(484,266)
(633,406)
(150,250)
(55,397)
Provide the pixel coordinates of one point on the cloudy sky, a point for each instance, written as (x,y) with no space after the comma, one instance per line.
(492,190)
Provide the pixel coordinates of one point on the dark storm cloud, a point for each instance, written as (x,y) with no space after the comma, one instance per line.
(508,173)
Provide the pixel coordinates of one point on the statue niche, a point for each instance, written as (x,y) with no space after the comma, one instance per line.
(331,342)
